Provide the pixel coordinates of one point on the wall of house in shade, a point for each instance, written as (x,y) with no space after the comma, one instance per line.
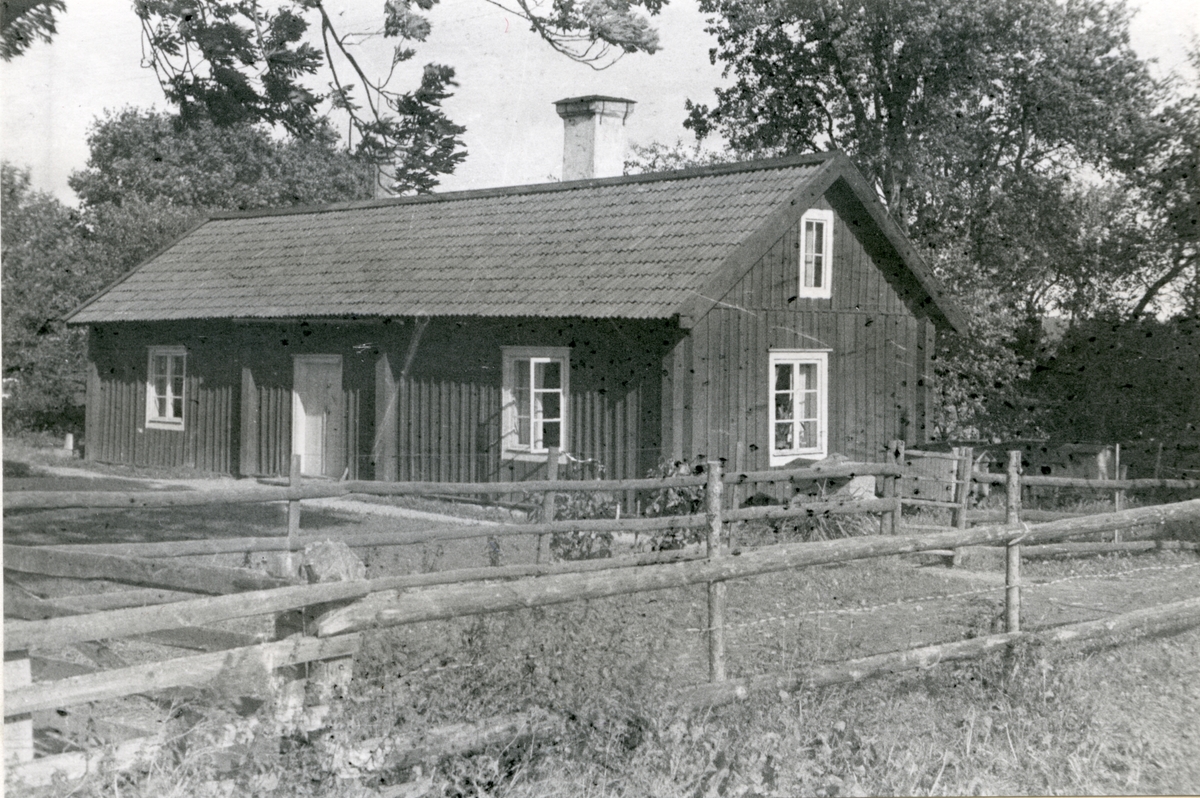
(421,401)
(718,379)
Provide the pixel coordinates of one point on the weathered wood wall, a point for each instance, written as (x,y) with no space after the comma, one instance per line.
(446,403)
(718,379)
(116,412)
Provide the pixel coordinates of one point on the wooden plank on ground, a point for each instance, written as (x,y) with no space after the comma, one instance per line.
(144,572)
(405,750)
(77,764)
(180,672)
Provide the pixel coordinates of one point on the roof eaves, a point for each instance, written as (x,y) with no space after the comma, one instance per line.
(69,318)
(942,301)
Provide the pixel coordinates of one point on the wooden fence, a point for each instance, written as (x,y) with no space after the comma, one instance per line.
(345,609)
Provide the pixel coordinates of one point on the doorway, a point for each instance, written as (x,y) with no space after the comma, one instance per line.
(319,415)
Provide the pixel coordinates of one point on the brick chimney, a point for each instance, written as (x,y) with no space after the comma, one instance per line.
(593,135)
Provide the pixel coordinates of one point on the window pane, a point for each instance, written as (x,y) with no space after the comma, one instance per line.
(808,435)
(177,407)
(784,408)
(549,405)
(806,405)
(548,375)
(521,374)
(160,405)
(806,376)
(550,434)
(814,253)
(783,376)
(783,437)
(522,397)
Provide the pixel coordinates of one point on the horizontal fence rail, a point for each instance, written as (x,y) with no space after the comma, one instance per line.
(42,500)
(1154,620)
(1098,484)
(390,609)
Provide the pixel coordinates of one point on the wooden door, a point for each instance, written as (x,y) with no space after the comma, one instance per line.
(319,415)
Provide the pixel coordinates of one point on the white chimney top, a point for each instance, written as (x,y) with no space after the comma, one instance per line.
(593,135)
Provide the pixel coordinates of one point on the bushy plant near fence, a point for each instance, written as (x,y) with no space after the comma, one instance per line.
(675,501)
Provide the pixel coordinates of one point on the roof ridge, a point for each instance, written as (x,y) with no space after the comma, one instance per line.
(539,188)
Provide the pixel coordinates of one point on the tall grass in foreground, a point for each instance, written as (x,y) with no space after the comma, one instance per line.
(1032,721)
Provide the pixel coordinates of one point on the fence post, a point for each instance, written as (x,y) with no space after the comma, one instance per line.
(18,729)
(1012,570)
(962,491)
(548,496)
(889,522)
(293,519)
(1119,472)
(716,590)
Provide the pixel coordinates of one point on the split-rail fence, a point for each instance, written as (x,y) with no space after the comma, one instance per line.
(165,607)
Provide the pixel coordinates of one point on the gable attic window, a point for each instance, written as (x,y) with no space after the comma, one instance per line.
(799,405)
(816,253)
(535,395)
(165,387)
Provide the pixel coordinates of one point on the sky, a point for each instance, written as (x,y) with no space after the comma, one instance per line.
(508,79)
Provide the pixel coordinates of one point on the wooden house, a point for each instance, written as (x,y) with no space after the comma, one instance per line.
(760,312)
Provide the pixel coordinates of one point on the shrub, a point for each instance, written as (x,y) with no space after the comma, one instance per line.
(675,501)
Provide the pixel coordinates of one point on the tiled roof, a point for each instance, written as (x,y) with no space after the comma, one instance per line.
(634,247)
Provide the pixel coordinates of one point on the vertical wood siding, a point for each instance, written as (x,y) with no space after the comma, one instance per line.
(449,403)
(238,413)
(878,359)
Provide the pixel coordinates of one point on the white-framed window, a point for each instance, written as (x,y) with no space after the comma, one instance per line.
(799,402)
(165,380)
(535,393)
(816,254)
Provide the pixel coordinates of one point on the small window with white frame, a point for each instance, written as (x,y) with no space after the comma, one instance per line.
(535,394)
(799,400)
(165,381)
(816,254)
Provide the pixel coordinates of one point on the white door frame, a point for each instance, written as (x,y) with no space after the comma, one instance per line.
(298,415)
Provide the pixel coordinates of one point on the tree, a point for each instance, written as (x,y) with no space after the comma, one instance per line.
(659,157)
(154,157)
(45,267)
(148,179)
(1169,182)
(24,21)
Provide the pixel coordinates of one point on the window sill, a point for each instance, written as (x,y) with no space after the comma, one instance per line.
(532,457)
(158,423)
(778,460)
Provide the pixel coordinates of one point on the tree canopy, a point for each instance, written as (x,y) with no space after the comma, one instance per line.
(232,62)
(22,22)
(149,177)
